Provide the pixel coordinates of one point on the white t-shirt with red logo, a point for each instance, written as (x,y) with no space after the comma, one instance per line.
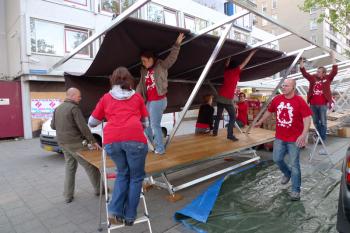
(152,93)
(289,116)
(317,97)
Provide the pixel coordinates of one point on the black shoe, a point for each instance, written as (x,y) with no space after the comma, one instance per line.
(215,134)
(234,139)
(69,200)
(129,223)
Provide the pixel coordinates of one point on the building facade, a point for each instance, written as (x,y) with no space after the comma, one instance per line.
(35,34)
(306,24)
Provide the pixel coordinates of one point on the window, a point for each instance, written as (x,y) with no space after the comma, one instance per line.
(155,13)
(274,4)
(73,38)
(46,37)
(332,29)
(263,7)
(313,10)
(313,24)
(332,44)
(313,38)
(110,6)
(189,23)
(200,24)
(57,39)
(125,4)
(79,2)
(195,24)
(170,17)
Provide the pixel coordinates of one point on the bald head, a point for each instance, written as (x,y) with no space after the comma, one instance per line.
(288,87)
(73,94)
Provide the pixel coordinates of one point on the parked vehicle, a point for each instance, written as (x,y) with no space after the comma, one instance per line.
(48,135)
(343,217)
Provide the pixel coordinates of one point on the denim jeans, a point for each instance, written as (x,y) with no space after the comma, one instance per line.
(280,150)
(130,160)
(154,131)
(231,123)
(319,118)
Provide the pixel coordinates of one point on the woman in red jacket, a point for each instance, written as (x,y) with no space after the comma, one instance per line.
(125,143)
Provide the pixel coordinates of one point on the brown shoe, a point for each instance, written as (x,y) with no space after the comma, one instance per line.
(115,220)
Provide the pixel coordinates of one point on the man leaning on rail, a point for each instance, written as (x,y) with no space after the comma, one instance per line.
(71,130)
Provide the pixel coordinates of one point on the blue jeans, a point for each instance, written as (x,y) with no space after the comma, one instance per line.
(319,118)
(154,131)
(231,123)
(280,150)
(130,160)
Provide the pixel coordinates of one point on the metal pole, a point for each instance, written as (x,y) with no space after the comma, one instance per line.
(240,52)
(255,10)
(274,91)
(201,79)
(95,36)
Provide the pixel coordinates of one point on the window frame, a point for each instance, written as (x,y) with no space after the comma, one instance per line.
(74,29)
(72,1)
(165,9)
(107,12)
(273,4)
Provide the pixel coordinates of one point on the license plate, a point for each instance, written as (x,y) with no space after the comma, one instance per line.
(48,148)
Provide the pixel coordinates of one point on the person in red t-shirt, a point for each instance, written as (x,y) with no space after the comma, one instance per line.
(153,86)
(242,110)
(293,118)
(125,143)
(226,93)
(319,95)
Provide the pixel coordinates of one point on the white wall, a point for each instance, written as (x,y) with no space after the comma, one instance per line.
(3,41)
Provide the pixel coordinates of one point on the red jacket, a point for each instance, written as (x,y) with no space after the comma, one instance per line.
(326,83)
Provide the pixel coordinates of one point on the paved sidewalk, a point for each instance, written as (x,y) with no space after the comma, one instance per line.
(31,184)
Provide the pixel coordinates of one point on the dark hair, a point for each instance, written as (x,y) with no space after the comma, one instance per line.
(122,77)
(207,97)
(233,64)
(148,54)
(323,68)
(242,93)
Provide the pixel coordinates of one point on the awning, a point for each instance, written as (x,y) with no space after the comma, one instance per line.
(123,44)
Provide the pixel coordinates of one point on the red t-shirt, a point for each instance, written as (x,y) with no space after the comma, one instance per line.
(124,118)
(243,112)
(231,78)
(317,97)
(152,93)
(289,116)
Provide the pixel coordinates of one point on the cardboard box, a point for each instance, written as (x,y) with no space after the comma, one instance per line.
(344,132)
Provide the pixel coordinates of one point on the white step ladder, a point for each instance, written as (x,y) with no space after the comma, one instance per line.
(104,184)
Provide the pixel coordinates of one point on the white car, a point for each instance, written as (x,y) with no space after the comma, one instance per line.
(48,135)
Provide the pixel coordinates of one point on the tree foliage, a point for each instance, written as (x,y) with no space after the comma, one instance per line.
(338,13)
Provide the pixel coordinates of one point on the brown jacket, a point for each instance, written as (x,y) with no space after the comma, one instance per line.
(326,83)
(160,73)
(70,124)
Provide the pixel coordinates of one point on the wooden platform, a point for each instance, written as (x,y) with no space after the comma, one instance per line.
(188,149)
(330,124)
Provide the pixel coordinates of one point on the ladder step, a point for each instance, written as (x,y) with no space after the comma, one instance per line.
(138,220)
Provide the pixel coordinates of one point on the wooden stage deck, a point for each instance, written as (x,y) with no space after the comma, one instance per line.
(189,149)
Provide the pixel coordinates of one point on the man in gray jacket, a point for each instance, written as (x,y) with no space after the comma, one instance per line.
(71,129)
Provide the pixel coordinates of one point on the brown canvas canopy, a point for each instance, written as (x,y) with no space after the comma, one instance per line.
(123,44)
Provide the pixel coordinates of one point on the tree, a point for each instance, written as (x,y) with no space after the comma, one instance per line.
(337,12)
